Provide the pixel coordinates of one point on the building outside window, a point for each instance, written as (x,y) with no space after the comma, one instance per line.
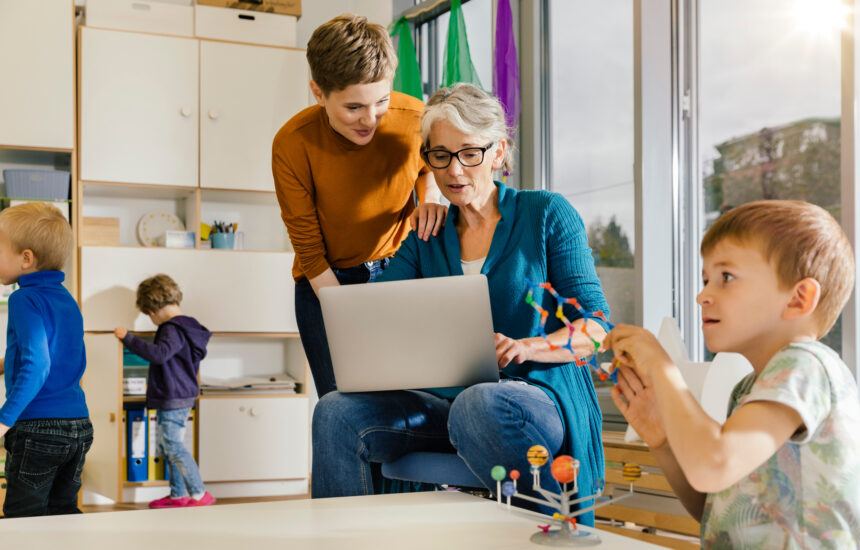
(769,105)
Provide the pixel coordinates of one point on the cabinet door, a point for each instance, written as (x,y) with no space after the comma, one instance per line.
(138,108)
(102,383)
(37,70)
(255,438)
(246,94)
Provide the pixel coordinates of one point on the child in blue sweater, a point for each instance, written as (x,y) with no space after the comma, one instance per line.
(171,388)
(45,412)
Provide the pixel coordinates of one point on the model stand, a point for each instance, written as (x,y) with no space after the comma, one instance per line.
(565,470)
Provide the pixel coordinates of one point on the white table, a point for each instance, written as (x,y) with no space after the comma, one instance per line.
(413,521)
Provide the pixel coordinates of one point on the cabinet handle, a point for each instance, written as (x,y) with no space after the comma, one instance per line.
(112,417)
(214,115)
(185,111)
(252,412)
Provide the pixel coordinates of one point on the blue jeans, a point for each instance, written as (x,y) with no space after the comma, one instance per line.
(487,425)
(44,459)
(310,321)
(182,470)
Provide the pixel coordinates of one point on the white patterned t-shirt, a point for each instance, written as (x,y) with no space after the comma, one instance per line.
(807,495)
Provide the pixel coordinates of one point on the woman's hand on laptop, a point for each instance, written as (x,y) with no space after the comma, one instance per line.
(509,350)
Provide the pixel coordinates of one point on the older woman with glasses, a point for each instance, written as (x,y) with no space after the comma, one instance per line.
(509,236)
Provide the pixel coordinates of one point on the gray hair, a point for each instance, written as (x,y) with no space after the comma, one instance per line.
(472,111)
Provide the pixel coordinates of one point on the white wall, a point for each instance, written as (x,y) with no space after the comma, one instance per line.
(317,12)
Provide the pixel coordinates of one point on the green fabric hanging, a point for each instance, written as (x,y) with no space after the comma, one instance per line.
(458,61)
(407,78)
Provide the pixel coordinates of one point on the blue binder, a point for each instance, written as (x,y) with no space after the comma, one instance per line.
(138,463)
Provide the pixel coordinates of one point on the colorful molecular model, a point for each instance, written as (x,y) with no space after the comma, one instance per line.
(565,470)
(559,313)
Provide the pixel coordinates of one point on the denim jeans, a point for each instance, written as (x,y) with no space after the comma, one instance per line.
(44,459)
(182,470)
(487,425)
(310,321)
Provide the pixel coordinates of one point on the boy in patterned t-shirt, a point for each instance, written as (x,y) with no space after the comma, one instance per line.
(784,470)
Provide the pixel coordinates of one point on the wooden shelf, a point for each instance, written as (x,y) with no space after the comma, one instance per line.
(257,193)
(158,483)
(134,399)
(39,149)
(33,200)
(251,395)
(136,190)
(272,335)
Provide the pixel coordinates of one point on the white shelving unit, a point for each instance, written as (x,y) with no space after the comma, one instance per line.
(185,125)
(37,105)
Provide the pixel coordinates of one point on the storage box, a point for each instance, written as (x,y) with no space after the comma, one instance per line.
(177,239)
(134,379)
(174,17)
(134,386)
(283,7)
(252,27)
(37,184)
(100,231)
(131,359)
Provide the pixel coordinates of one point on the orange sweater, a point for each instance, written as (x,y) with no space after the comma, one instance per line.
(345,204)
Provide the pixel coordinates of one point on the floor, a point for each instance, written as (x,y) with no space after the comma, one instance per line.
(89,509)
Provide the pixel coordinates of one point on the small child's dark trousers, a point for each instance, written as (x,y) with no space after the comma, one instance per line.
(44,459)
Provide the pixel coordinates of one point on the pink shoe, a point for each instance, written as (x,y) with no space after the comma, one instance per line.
(205,500)
(168,502)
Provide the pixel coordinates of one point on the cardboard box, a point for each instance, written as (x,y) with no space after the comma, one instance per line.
(100,231)
(284,7)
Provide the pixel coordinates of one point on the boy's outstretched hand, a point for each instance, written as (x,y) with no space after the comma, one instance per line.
(120,332)
(636,348)
(635,399)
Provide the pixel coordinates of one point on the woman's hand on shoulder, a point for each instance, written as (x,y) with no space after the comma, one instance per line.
(427,219)
(509,350)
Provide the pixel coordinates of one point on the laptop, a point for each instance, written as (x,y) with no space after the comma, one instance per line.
(420,333)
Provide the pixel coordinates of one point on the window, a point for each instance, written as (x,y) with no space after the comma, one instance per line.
(769,112)
(592,143)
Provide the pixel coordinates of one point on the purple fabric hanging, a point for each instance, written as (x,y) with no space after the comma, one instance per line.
(506,77)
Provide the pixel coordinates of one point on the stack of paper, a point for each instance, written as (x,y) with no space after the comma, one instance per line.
(274,383)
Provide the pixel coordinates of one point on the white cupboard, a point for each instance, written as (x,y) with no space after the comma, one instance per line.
(102,383)
(139,115)
(37,95)
(161,117)
(268,438)
(246,94)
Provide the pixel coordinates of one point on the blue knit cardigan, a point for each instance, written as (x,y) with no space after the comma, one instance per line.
(540,236)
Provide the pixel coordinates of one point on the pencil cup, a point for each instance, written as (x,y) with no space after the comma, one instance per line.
(223,240)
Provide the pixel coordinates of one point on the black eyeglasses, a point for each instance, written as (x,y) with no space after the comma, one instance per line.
(468,157)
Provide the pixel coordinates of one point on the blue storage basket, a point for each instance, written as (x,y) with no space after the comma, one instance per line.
(37,184)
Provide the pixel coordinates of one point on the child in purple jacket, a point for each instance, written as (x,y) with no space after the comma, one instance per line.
(171,387)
